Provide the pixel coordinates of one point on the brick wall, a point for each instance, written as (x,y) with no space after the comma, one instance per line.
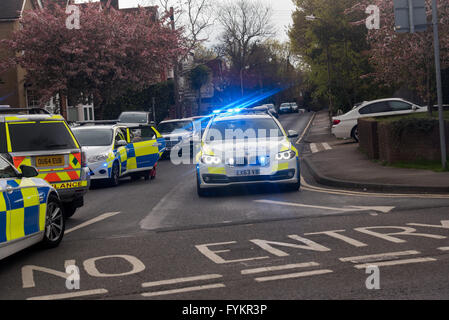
(368,138)
(380,140)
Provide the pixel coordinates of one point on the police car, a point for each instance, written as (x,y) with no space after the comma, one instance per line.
(30,210)
(246,146)
(113,151)
(33,137)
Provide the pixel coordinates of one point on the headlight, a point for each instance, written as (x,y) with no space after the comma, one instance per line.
(210,159)
(286,155)
(101,157)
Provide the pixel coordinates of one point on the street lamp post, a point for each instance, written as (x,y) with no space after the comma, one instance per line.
(439,85)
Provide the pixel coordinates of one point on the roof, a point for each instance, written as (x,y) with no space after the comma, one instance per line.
(29,117)
(11,9)
(242,116)
(102,126)
(177,120)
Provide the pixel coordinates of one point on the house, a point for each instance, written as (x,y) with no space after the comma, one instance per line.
(13,90)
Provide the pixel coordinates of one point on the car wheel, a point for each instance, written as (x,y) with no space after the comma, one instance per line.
(201,192)
(115,174)
(54,223)
(355,133)
(153,172)
(69,210)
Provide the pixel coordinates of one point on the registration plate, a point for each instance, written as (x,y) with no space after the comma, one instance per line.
(50,161)
(248,172)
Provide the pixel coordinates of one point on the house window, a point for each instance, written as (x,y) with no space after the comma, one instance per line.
(88,113)
(32,99)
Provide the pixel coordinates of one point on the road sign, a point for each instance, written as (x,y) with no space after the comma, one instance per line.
(410,16)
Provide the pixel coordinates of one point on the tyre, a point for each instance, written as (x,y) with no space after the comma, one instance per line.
(54,223)
(355,133)
(153,172)
(115,175)
(69,210)
(201,192)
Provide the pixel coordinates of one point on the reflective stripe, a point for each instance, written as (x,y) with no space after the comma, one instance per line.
(27,204)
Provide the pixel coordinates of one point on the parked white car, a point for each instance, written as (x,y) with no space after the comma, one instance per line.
(345,126)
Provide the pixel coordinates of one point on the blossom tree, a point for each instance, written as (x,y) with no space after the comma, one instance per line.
(406,59)
(111,53)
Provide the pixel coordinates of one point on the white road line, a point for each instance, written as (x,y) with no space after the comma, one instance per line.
(326,146)
(92,221)
(305,130)
(283,267)
(188,289)
(313,148)
(347,209)
(181,280)
(394,262)
(294,275)
(379,256)
(76,294)
(443,248)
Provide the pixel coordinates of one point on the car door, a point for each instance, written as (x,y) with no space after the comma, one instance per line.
(146,146)
(400,107)
(121,152)
(25,214)
(4,214)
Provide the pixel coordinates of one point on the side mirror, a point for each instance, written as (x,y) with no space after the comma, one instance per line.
(28,171)
(292,134)
(414,108)
(120,143)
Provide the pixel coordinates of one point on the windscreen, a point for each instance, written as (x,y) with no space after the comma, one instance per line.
(94,137)
(244,128)
(133,118)
(39,136)
(171,127)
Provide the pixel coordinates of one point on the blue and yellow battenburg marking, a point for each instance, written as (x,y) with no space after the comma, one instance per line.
(23,211)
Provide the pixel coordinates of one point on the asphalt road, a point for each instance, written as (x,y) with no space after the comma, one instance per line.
(158,240)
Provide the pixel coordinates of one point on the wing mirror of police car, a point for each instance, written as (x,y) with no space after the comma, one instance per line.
(120,143)
(292,134)
(28,171)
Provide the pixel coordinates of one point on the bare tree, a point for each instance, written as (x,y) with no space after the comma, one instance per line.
(194,16)
(244,23)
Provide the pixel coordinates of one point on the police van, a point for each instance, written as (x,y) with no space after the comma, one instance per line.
(115,150)
(33,137)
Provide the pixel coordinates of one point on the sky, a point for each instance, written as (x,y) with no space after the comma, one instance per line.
(282,11)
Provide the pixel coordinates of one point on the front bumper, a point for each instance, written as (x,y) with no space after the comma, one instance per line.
(71,190)
(99,170)
(283,172)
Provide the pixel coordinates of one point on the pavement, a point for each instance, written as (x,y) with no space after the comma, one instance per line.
(339,163)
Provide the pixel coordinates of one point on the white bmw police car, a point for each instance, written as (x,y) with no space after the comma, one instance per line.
(30,210)
(246,146)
